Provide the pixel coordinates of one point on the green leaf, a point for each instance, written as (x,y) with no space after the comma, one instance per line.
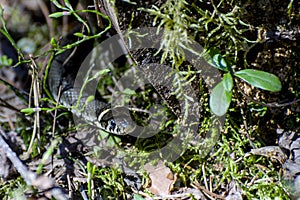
(215,59)
(219,62)
(228,82)
(137,197)
(54,43)
(79,35)
(28,111)
(56,15)
(68,5)
(5,61)
(260,79)
(59,14)
(220,98)
(89,166)
(129,91)
(90,99)
(55,2)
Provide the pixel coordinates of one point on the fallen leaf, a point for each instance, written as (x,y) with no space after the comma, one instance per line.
(161,177)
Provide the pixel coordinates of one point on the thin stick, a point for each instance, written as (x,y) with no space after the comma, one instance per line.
(46,13)
(204,175)
(41,182)
(36,96)
(210,194)
(99,21)
(7,105)
(55,111)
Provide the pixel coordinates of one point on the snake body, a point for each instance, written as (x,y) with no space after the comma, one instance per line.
(62,74)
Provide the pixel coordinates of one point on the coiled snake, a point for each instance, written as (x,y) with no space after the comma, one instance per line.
(61,82)
(61,78)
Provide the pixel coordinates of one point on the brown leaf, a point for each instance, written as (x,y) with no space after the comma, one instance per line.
(161,178)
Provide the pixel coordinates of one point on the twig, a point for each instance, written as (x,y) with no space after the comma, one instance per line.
(36,95)
(21,94)
(7,105)
(109,9)
(204,175)
(55,111)
(99,21)
(48,19)
(207,192)
(275,104)
(83,194)
(173,196)
(69,186)
(41,182)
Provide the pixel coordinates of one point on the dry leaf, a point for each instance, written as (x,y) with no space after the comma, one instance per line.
(161,178)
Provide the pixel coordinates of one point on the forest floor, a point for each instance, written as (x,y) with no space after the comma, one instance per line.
(254,156)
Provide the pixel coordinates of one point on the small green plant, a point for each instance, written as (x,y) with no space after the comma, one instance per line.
(90,174)
(5,61)
(174,26)
(220,97)
(69,10)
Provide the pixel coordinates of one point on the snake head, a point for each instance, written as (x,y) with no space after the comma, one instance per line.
(117,121)
(119,126)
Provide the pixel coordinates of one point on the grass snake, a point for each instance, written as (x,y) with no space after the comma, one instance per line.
(62,74)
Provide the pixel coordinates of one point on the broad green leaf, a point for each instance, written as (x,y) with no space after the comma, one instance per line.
(260,79)
(220,99)
(228,82)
